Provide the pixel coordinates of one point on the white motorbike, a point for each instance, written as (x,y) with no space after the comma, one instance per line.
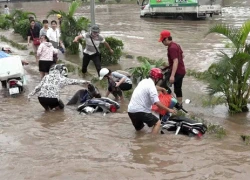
(12,74)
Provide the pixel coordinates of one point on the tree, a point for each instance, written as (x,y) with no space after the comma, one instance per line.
(71,26)
(230,76)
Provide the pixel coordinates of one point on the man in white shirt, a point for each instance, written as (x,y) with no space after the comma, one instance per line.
(143,97)
(53,34)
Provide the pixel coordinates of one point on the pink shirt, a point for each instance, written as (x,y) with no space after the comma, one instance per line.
(45,51)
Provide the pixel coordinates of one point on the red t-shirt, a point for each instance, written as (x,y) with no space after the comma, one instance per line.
(175,51)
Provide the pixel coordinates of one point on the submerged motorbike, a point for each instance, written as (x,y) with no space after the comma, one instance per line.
(183,125)
(103,104)
(89,101)
(179,124)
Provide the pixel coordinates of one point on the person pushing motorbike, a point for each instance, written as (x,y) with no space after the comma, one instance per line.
(176,64)
(143,97)
(50,86)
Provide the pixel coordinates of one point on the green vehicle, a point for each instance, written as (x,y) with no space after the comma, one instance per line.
(180,9)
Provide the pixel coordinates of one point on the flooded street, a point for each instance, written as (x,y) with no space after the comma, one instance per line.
(35,145)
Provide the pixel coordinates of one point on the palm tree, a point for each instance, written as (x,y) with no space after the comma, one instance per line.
(71,26)
(230,76)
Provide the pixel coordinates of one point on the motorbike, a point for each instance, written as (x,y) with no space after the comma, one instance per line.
(12,74)
(179,124)
(102,104)
(90,101)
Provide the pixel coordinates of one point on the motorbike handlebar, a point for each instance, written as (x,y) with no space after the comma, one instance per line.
(179,107)
(184,110)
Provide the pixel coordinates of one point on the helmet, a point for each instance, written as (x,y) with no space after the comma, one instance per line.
(59,67)
(103,72)
(95,28)
(59,16)
(156,73)
(164,34)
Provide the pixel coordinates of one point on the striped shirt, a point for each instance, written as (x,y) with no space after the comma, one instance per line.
(143,97)
(90,49)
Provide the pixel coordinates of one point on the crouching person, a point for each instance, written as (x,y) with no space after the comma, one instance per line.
(117,83)
(143,97)
(49,88)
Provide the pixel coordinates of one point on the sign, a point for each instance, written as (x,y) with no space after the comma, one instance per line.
(174,3)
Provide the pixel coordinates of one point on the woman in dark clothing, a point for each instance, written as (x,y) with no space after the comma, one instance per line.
(33,34)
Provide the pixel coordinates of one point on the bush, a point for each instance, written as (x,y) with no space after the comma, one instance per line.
(4,22)
(22,28)
(107,57)
(117,46)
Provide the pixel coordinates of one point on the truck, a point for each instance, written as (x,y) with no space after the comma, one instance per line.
(180,9)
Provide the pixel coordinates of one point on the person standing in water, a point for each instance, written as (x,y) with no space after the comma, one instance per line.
(92,51)
(45,53)
(175,61)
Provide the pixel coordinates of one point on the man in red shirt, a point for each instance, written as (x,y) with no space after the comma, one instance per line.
(175,61)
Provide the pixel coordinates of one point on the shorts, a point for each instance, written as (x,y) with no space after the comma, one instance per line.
(139,118)
(44,66)
(50,103)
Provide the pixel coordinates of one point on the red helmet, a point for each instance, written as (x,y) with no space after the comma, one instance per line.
(156,73)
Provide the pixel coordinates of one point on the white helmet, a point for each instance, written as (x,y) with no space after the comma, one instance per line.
(103,72)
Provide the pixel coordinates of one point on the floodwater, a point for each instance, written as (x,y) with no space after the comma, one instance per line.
(65,145)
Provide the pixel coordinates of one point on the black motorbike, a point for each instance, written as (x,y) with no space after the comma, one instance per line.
(179,124)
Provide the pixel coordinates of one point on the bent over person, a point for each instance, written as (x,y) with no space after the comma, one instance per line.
(143,97)
(91,51)
(49,88)
(176,63)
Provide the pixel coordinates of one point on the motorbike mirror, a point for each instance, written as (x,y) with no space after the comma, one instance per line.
(187,101)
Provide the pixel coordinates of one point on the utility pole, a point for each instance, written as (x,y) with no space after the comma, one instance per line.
(92,11)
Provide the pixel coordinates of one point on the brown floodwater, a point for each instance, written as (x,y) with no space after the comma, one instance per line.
(66,145)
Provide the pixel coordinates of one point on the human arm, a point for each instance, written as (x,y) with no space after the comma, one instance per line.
(28,35)
(121,78)
(107,93)
(39,50)
(37,88)
(163,90)
(67,81)
(160,105)
(108,47)
(77,38)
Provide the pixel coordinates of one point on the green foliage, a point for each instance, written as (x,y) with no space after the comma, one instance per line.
(13,44)
(19,15)
(71,26)
(216,130)
(5,23)
(141,72)
(230,75)
(71,67)
(22,28)
(117,46)
(100,83)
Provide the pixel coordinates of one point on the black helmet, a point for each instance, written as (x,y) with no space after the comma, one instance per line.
(59,67)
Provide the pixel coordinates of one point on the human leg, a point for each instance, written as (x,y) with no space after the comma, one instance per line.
(136,121)
(35,52)
(85,62)
(43,101)
(178,87)
(97,62)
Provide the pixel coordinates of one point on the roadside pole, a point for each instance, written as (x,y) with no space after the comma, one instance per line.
(92,11)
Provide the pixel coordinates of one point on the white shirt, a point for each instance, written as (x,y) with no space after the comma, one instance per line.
(53,35)
(143,97)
